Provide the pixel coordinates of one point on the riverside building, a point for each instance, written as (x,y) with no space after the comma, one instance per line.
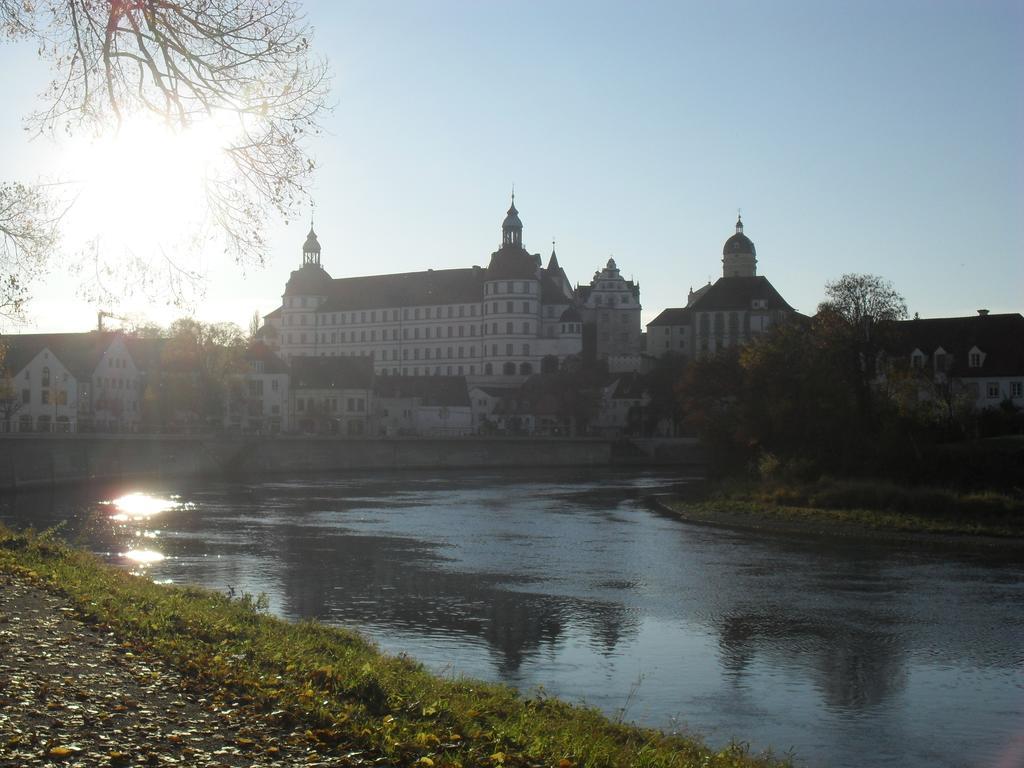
(740,305)
(505,321)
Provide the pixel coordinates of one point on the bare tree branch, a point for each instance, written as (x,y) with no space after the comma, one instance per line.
(29,219)
(187,61)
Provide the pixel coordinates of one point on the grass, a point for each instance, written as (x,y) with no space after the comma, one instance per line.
(870,504)
(338,686)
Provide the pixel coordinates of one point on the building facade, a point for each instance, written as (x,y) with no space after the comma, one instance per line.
(977,361)
(737,307)
(70,382)
(502,322)
(611,306)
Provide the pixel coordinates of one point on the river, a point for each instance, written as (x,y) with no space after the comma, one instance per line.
(840,652)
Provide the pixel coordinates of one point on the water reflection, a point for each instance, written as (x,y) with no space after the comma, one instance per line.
(837,649)
(143,556)
(140,507)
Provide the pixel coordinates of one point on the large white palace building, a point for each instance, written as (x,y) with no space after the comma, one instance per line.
(500,321)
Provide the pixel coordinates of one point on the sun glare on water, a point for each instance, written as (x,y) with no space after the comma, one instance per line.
(143,556)
(139,507)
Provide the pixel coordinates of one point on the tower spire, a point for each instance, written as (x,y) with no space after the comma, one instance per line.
(512,227)
(311,248)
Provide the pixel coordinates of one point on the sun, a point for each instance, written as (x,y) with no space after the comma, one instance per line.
(144,187)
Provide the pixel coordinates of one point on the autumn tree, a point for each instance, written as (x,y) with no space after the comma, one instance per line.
(804,392)
(198,362)
(857,320)
(247,62)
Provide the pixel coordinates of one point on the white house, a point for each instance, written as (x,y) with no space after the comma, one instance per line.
(980,358)
(70,382)
(425,406)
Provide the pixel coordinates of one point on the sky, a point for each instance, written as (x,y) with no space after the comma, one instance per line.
(870,137)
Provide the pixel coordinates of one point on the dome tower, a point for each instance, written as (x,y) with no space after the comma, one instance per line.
(739,259)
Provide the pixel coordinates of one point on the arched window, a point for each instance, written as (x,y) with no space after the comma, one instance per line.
(509,369)
(488,369)
(525,369)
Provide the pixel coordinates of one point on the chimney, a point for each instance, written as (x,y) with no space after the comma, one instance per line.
(982,312)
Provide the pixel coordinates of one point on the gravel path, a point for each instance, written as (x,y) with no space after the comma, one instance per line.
(72,695)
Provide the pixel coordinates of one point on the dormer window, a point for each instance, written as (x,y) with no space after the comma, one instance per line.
(757,304)
(917,359)
(975,358)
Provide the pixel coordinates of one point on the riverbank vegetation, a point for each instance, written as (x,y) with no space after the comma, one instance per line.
(357,705)
(852,505)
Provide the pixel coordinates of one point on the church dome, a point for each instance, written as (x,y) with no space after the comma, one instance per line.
(512,220)
(739,244)
(312,245)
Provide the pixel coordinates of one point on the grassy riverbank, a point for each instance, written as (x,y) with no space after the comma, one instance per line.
(846,506)
(356,704)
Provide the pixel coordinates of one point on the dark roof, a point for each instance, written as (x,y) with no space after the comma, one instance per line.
(332,372)
(312,245)
(276,313)
(310,279)
(260,352)
(495,391)
(448,391)
(80,353)
(737,293)
(570,316)
(408,289)
(999,337)
(550,290)
(672,316)
(512,261)
(739,243)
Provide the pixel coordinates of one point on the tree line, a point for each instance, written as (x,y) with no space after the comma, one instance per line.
(823,395)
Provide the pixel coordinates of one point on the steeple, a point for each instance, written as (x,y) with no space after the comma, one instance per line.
(553,261)
(311,248)
(512,227)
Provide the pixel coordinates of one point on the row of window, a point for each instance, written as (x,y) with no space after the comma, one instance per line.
(60,397)
(994,392)
(507,369)
(612,300)
(413,334)
(944,361)
(256,387)
(510,286)
(330,404)
(437,370)
(450,311)
(525,308)
(721,320)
